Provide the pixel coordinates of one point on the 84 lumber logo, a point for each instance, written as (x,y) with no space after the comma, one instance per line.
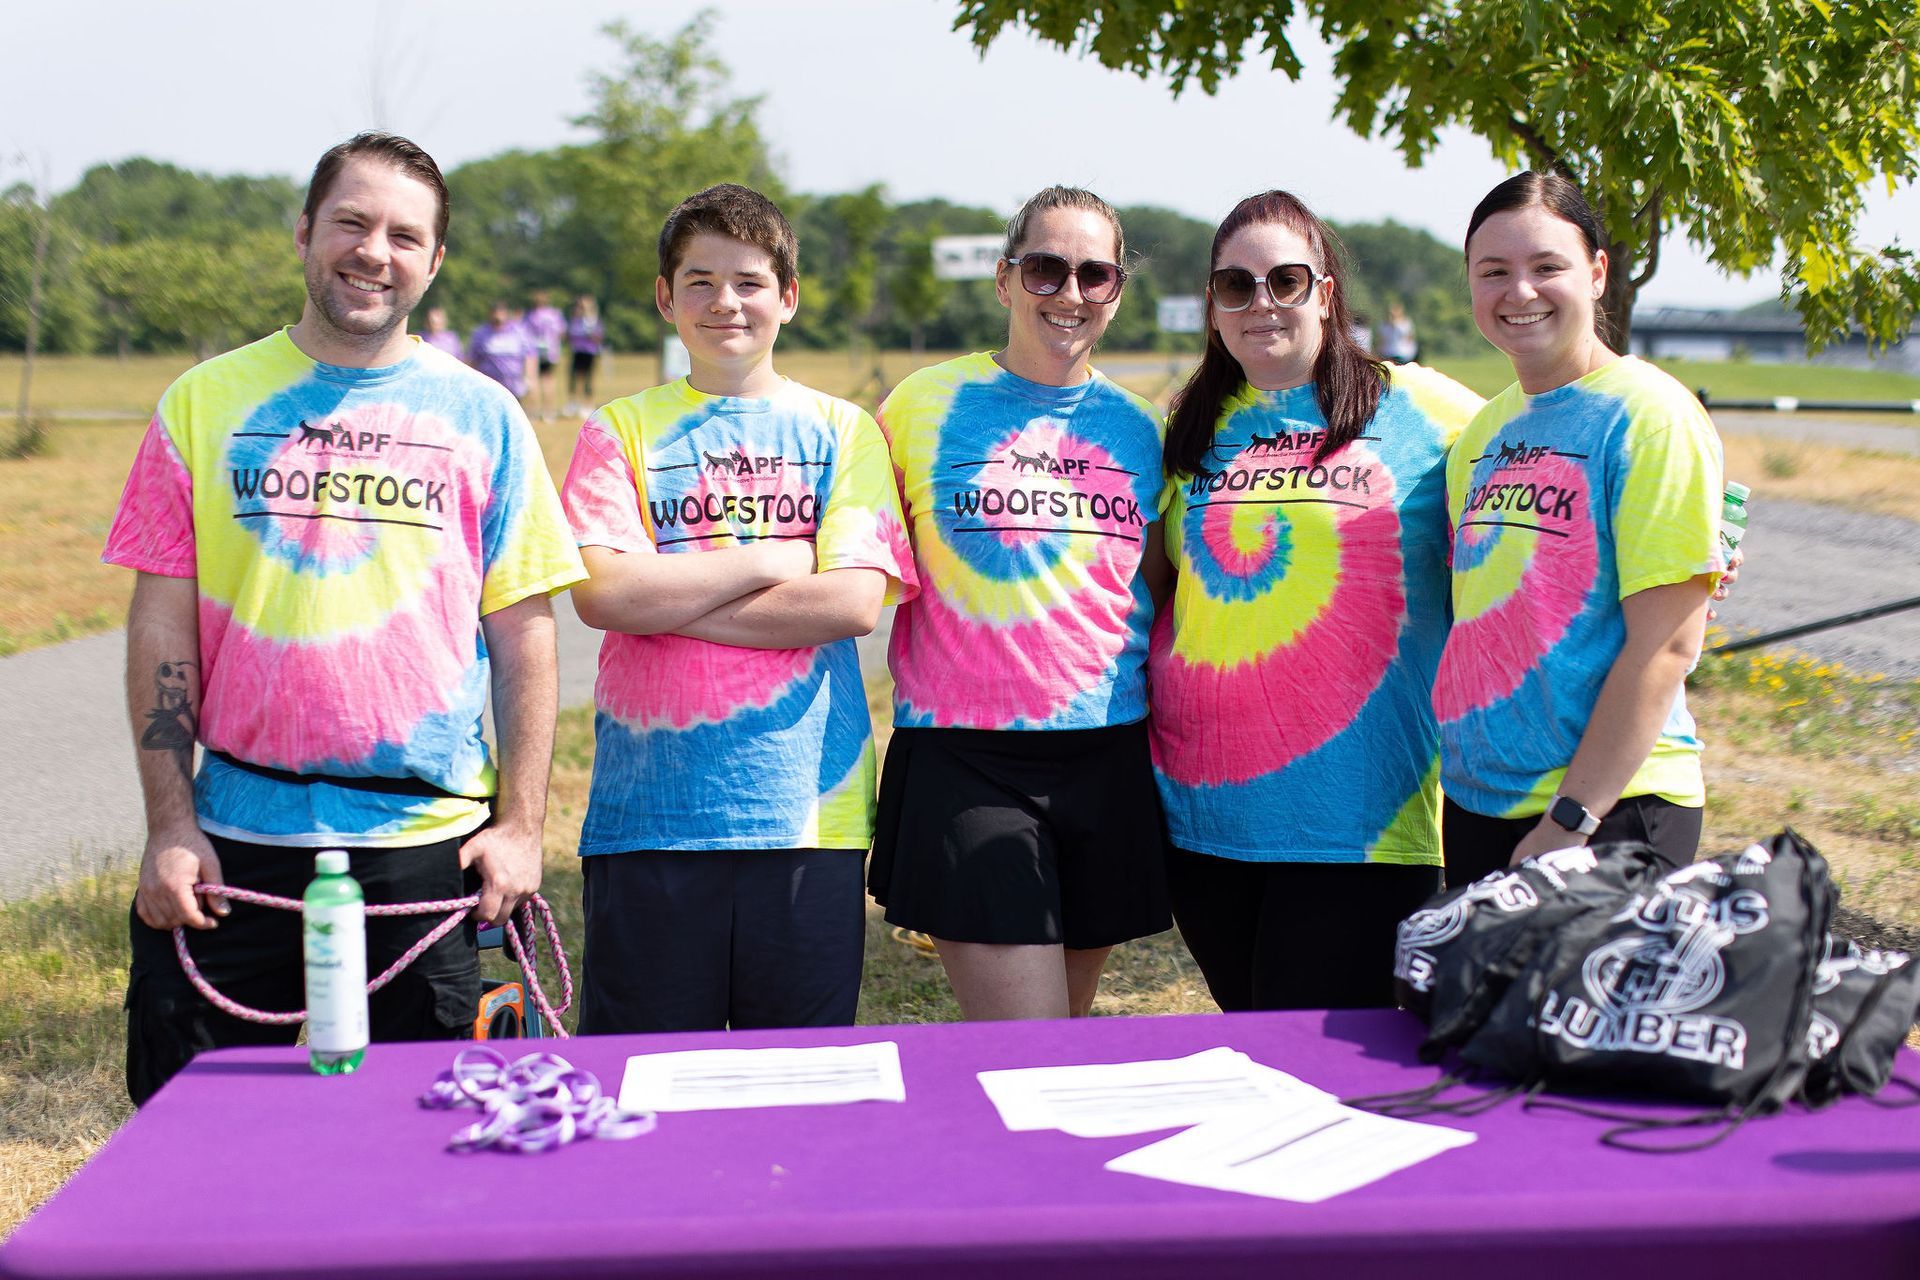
(1642,989)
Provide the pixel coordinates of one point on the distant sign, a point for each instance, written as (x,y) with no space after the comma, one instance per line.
(1183,313)
(965,257)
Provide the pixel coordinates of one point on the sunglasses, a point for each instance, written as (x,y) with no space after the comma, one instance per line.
(1289,285)
(1045,274)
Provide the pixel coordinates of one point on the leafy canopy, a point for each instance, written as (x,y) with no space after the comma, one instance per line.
(1755,128)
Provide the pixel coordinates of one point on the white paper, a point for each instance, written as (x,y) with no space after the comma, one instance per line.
(1102,1099)
(728,1079)
(1301,1150)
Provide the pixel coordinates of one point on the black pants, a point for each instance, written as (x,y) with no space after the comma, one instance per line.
(1477,845)
(580,373)
(254,957)
(1294,935)
(702,940)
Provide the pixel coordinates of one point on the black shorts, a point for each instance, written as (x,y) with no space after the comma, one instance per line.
(1478,845)
(546,364)
(1025,837)
(254,957)
(583,361)
(703,940)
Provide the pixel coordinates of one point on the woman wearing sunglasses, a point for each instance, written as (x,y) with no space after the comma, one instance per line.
(1585,504)
(1293,732)
(1018,823)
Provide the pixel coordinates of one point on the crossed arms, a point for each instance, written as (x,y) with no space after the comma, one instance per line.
(762,596)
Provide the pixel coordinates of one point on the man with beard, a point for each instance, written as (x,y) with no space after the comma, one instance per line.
(344,539)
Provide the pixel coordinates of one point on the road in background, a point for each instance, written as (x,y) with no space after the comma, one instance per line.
(1806,562)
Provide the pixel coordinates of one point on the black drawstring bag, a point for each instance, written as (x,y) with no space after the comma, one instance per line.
(1864,1001)
(1698,986)
(1717,983)
(1456,956)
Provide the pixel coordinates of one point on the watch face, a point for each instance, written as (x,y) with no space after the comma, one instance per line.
(1569,813)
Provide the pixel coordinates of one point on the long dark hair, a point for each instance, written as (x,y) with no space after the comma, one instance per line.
(1346,380)
(1559,197)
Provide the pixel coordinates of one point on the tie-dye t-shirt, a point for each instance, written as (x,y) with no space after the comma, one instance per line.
(709,746)
(1029,506)
(347,529)
(1292,675)
(1563,505)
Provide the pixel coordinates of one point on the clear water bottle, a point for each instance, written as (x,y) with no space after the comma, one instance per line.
(335,945)
(1733,517)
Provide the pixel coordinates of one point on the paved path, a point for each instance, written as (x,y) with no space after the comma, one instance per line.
(69,797)
(70,804)
(1806,562)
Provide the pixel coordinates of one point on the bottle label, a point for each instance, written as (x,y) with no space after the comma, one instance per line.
(336,955)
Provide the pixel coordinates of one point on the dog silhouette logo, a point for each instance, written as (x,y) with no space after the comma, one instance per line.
(1031,462)
(311,436)
(728,464)
(1258,443)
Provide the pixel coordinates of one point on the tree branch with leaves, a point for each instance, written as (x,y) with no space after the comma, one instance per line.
(1755,128)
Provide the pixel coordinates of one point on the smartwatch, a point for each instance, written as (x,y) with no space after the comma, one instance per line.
(1571,814)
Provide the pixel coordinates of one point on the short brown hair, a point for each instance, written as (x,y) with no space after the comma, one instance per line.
(390,148)
(738,213)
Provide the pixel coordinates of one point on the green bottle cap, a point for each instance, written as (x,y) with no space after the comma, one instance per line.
(331,862)
(1738,492)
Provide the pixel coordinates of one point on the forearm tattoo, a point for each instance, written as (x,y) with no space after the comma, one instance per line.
(171,724)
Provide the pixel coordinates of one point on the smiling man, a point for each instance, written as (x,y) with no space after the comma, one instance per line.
(344,540)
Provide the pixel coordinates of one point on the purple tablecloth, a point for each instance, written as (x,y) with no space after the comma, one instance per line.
(247,1164)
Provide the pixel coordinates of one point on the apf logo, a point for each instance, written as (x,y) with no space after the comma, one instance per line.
(1520,454)
(334,436)
(738,462)
(1041,462)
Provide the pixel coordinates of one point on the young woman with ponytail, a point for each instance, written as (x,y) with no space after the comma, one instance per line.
(1585,507)
(1018,823)
(1291,671)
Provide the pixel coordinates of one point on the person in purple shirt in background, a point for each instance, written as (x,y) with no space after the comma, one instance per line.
(585,333)
(440,334)
(504,351)
(548,326)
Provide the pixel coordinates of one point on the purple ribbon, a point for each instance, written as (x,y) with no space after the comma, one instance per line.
(536,1104)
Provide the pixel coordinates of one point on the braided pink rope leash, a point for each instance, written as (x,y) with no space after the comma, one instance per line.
(524,951)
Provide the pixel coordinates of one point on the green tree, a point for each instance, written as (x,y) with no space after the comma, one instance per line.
(518,225)
(68,307)
(1393,263)
(967,315)
(666,126)
(1753,127)
(862,216)
(207,296)
(141,199)
(912,288)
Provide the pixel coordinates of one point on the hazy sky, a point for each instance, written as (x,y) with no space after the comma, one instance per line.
(855,92)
